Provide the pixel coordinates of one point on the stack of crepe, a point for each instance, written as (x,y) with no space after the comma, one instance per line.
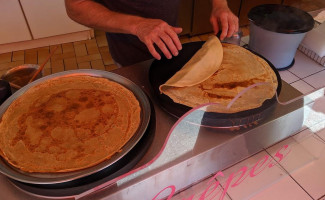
(68,123)
(217,73)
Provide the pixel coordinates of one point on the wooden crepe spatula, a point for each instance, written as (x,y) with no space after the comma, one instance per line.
(42,66)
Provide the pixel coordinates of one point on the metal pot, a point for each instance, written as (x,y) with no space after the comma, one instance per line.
(276,32)
(20,75)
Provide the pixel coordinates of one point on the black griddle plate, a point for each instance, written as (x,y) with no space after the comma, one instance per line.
(161,70)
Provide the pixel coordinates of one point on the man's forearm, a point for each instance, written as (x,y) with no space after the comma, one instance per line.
(95,15)
(219,3)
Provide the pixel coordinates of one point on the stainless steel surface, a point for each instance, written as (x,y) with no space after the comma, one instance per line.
(191,152)
(211,152)
(234,39)
(52,178)
(207,150)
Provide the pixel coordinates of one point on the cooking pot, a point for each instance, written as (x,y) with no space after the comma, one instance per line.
(276,32)
(20,75)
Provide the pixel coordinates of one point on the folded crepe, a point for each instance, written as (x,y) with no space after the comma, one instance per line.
(208,80)
(200,67)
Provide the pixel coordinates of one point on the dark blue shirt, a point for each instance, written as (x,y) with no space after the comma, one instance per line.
(128,49)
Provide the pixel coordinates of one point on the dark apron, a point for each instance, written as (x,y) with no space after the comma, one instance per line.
(128,49)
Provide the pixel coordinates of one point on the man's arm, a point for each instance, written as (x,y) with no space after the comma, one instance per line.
(223,19)
(149,31)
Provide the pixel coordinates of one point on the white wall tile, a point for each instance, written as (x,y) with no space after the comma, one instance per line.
(302,86)
(304,66)
(288,77)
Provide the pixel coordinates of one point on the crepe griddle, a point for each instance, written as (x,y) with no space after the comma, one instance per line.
(161,70)
(78,186)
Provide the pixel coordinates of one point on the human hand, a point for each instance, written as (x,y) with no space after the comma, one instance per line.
(223,19)
(156,31)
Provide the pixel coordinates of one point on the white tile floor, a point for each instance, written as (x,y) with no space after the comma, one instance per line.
(301,173)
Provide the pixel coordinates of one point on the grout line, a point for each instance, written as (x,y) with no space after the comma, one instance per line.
(308,84)
(304,82)
(318,138)
(228,195)
(99,54)
(281,167)
(296,81)
(293,74)
(308,75)
(75,56)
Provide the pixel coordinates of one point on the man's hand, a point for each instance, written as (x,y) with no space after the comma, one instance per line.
(150,31)
(158,32)
(223,19)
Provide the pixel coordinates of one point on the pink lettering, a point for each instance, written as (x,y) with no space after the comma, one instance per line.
(257,166)
(231,177)
(281,156)
(172,192)
(243,169)
(214,184)
(211,182)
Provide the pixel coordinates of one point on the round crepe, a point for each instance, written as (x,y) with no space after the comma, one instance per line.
(68,123)
(239,69)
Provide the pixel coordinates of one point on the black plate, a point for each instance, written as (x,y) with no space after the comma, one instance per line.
(161,70)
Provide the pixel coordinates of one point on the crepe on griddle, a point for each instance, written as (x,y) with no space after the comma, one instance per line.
(238,70)
(68,123)
(207,60)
